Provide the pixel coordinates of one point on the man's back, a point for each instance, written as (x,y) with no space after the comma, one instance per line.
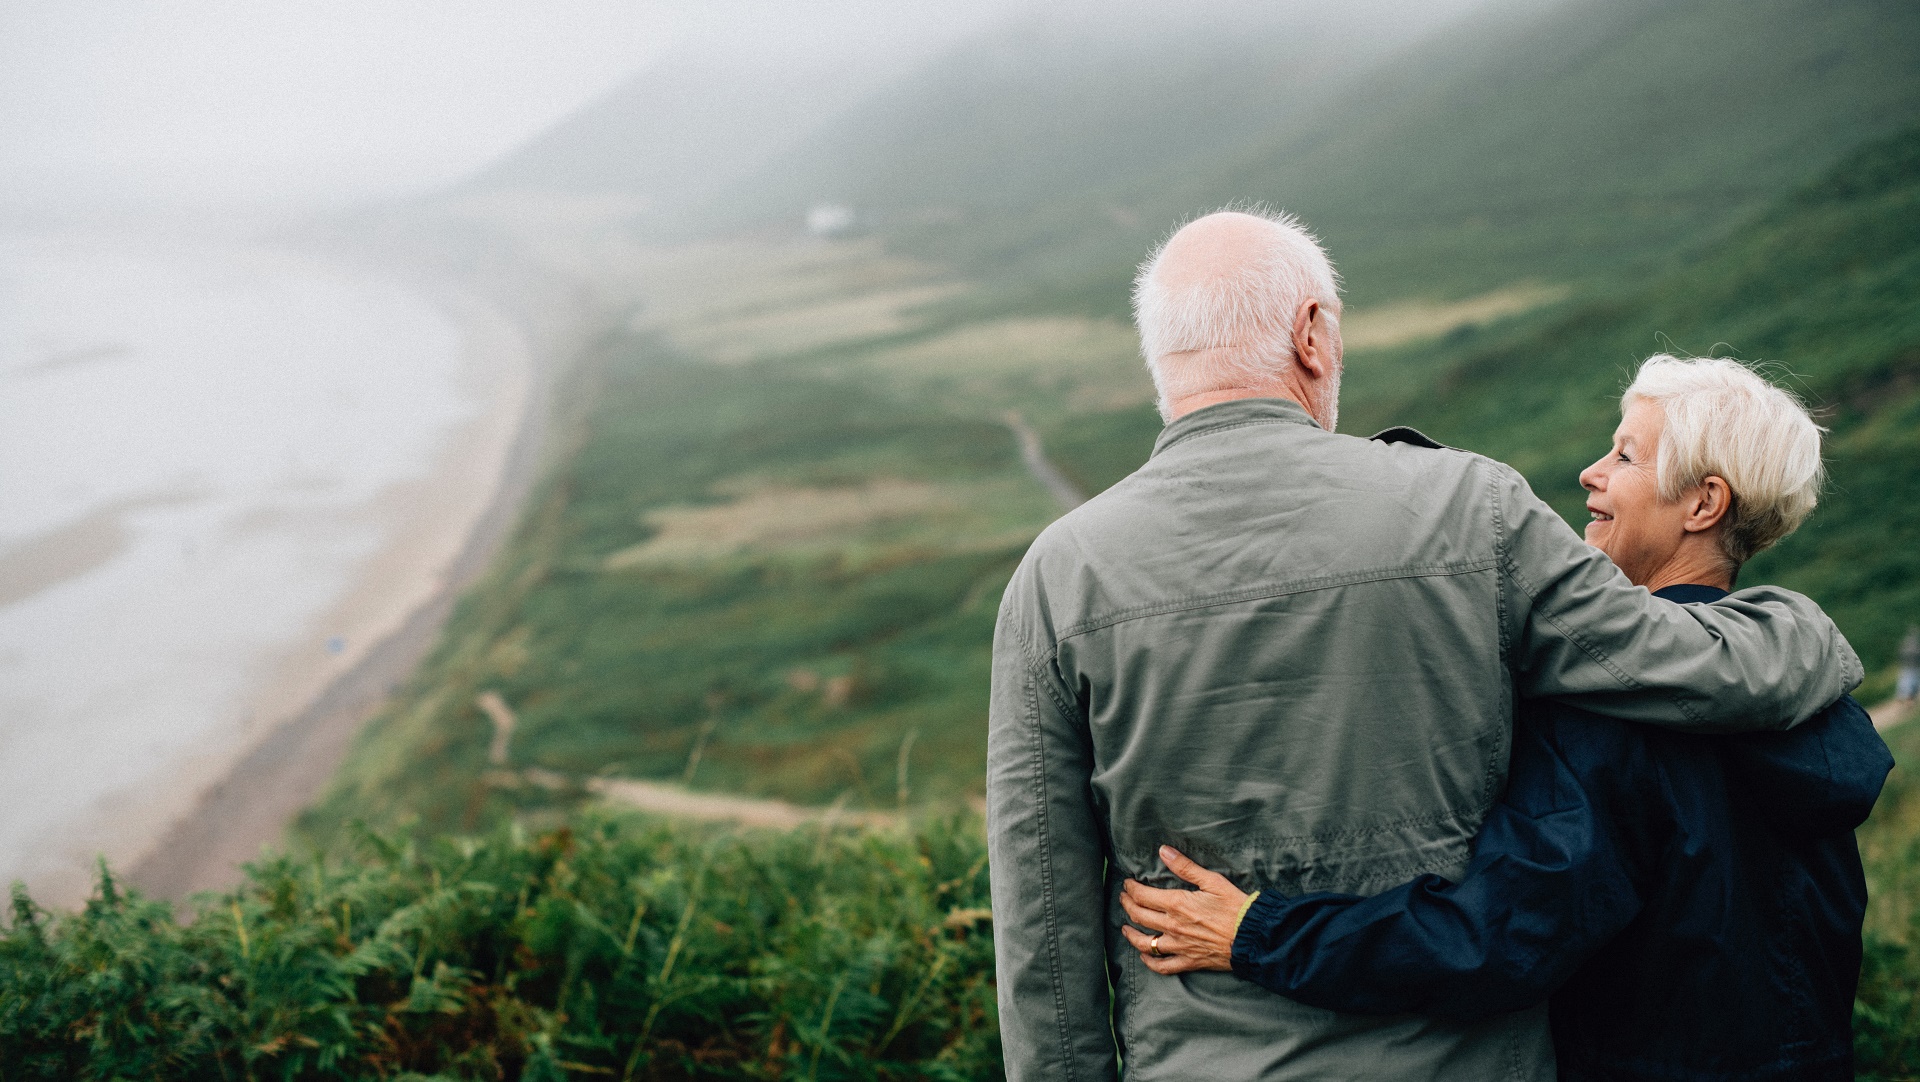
(1286,653)
(1257,620)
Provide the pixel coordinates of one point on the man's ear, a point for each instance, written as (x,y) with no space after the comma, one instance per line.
(1312,343)
(1708,504)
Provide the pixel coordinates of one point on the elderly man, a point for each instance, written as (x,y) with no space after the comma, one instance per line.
(1293,656)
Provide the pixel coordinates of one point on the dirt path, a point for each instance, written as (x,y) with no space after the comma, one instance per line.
(683,803)
(661,798)
(1035,456)
(1890,713)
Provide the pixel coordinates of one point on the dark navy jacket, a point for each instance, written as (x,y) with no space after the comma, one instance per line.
(1692,904)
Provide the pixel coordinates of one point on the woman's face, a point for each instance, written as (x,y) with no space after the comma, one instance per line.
(1631,523)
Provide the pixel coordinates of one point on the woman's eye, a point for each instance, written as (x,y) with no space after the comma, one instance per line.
(1622,456)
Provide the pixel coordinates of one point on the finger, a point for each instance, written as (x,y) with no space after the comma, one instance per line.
(1142,941)
(1170,944)
(1181,865)
(1170,965)
(1157,898)
(1142,915)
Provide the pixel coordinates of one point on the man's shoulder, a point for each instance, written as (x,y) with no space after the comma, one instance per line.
(1409,443)
(1411,436)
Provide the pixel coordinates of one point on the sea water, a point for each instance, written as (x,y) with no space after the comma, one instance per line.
(194,438)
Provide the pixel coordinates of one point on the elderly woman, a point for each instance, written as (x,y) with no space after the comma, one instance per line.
(1691,904)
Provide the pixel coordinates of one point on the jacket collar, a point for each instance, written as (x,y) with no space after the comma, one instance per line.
(1235,414)
(1690,594)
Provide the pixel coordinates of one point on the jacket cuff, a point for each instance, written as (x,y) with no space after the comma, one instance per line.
(1257,920)
(1244,906)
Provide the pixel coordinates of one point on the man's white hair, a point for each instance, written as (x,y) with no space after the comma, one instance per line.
(1723,419)
(1246,315)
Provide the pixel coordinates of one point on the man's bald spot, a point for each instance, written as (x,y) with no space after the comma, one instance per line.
(1220,245)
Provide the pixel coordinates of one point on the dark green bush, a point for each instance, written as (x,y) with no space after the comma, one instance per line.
(611,949)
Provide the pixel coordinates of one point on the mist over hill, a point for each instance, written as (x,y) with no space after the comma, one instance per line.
(1043,103)
(1516,140)
(1441,149)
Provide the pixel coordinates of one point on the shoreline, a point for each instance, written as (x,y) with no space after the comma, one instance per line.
(316,705)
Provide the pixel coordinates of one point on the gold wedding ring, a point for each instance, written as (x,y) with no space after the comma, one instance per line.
(1153,947)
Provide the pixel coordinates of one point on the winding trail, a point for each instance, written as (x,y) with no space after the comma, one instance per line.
(1035,456)
(1890,713)
(678,801)
(661,798)
(682,803)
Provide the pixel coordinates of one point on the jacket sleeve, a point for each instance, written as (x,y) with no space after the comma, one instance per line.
(1577,631)
(1552,879)
(1816,779)
(1048,858)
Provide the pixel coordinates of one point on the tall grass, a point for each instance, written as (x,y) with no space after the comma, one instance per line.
(614,948)
(1886,1015)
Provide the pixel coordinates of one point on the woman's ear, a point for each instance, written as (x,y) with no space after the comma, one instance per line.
(1708,504)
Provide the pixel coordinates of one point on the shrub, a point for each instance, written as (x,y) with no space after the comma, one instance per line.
(614,948)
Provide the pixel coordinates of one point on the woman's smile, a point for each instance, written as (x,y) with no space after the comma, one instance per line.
(1630,522)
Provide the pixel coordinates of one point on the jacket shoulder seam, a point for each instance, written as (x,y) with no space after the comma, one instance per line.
(1280,589)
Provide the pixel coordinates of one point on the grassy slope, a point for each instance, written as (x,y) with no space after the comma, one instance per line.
(1562,141)
(1601,137)
(799,665)
(1821,283)
(809,667)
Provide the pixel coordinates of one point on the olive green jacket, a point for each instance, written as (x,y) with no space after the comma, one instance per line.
(1294,656)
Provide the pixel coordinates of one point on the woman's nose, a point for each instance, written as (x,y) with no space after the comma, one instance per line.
(1590,477)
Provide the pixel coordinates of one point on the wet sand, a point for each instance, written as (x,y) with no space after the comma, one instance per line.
(444,531)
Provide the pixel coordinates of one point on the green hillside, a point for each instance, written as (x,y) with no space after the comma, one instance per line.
(772,564)
(1558,141)
(1066,102)
(1823,284)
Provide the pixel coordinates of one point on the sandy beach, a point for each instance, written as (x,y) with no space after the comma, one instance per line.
(444,530)
(211,794)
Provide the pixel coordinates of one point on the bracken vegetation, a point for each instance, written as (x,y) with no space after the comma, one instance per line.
(615,948)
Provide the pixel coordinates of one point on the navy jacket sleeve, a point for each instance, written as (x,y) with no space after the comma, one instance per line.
(1552,879)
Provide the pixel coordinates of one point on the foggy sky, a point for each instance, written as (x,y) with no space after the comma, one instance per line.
(134,103)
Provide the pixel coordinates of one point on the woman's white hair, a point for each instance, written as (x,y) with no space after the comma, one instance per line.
(1723,419)
(1246,315)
